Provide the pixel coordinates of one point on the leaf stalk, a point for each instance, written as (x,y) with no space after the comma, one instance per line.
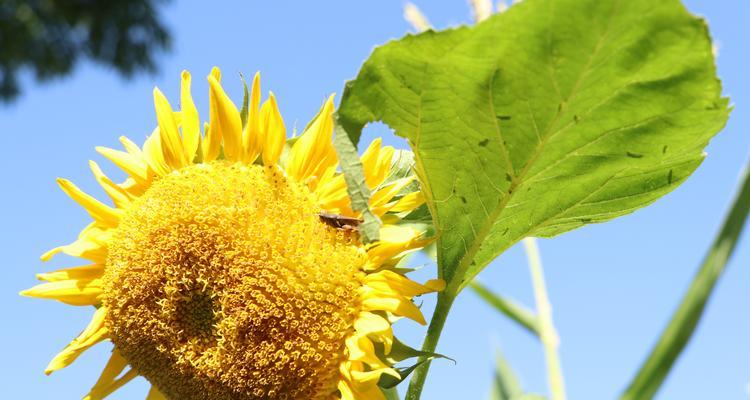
(437,323)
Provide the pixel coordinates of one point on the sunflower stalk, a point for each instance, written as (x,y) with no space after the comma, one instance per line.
(445,301)
(541,325)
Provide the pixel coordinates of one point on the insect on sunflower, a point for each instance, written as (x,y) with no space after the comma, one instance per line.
(213,273)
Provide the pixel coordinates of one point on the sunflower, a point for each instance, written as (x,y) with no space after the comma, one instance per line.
(217,273)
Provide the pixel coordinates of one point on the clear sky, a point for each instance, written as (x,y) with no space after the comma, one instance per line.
(613,286)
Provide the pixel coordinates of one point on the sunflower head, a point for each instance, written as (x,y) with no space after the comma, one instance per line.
(214,273)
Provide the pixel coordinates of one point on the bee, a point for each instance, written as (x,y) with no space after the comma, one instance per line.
(340,222)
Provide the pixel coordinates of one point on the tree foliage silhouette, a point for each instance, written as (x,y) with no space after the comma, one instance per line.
(48,37)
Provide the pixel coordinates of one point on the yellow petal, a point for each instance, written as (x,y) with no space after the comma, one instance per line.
(372,377)
(83,272)
(99,211)
(313,153)
(399,234)
(191,126)
(332,193)
(361,349)
(376,163)
(80,248)
(170,136)
(409,202)
(395,241)
(345,390)
(376,328)
(133,165)
(370,159)
(153,154)
(400,306)
(134,188)
(75,292)
(379,199)
(118,383)
(251,135)
(389,281)
(108,377)
(358,384)
(225,121)
(91,245)
(367,323)
(94,333)
(368,392)
(212,137)
(118,195)
(130,146)
(155,394)
(274,131)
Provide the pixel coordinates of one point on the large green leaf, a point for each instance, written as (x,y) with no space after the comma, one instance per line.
(550,116)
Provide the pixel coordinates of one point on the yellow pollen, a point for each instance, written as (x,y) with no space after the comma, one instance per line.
(223,283)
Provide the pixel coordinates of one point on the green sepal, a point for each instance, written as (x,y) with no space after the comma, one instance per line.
(245,110)
(389,381)
(390,393)
(400,352)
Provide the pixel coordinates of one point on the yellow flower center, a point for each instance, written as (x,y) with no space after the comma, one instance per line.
(223,283)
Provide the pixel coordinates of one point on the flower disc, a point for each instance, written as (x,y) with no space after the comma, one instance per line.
(222,283)
(223,270)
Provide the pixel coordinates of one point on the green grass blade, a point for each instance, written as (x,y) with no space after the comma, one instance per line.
(676,335)
(513,310)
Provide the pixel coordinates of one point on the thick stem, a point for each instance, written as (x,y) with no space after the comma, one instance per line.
(444,302)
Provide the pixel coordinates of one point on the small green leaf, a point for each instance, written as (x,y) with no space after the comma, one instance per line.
(677,334)
(547,117)
(359,193)
(506,385)
(515,311)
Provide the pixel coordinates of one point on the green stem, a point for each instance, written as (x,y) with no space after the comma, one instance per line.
(677,334)
(444,302)
(390,393)
(547,332)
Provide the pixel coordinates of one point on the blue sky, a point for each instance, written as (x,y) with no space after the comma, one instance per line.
(613,286)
